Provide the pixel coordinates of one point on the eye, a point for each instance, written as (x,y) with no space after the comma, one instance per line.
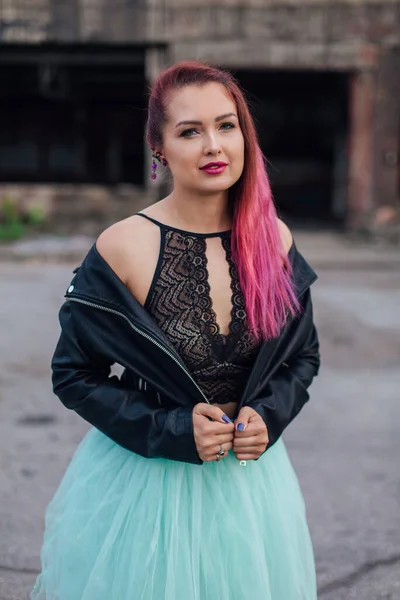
(226,126)
(188,132)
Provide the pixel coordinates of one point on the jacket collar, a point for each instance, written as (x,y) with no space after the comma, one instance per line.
(303,275)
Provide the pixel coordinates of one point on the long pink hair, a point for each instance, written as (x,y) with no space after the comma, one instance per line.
(263,266)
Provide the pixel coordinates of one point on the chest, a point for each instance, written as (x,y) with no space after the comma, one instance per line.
(195,278)
(196,299)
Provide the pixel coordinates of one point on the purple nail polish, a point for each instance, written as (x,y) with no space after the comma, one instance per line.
(226,419)
(240,427)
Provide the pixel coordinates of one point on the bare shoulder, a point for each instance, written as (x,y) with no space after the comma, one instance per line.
(286,235)
(126,243)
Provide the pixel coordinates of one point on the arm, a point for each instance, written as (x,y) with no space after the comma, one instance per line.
(129,417)
(286,392)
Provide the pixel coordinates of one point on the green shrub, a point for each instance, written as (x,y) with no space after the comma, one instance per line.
(11,231)
(11,224)
(14,224)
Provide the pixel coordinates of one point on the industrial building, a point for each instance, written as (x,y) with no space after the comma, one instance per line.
(322,77)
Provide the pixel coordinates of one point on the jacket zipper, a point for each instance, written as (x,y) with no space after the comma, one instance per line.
(144,334)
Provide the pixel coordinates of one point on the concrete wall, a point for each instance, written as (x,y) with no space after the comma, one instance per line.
(77,207)
(319,22)
(314,33)
(361,37)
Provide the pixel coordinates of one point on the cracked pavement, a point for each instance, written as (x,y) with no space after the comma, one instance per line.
(345,445)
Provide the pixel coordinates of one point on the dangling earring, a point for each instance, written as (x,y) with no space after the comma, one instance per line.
(154,168)
(156,156)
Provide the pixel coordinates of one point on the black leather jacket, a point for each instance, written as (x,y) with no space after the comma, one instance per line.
(149,409)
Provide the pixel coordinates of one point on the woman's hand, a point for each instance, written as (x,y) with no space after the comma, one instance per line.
(213,431)
(251,435)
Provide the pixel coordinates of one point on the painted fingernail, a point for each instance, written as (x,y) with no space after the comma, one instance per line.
(226,419)
(240,427)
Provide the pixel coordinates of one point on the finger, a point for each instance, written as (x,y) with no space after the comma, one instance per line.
(248,456)
(207,445)
(216,429)
(256,450)
(225,448)
(211,442)
(244,442)
(213,412)
(226,438)
(248,432)
(243,418)
(211,455)
(254,427)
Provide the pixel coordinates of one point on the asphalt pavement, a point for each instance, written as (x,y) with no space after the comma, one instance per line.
(345,445)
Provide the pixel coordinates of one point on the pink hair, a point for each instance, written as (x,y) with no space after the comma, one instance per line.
(263,266)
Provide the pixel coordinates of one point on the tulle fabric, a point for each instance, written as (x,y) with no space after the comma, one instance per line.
(123,527)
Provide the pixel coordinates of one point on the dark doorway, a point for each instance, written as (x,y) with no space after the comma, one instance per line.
(301,119)
(72,114)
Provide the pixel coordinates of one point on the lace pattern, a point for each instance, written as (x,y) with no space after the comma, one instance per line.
(180,302)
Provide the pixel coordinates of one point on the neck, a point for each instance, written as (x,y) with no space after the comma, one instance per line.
(200,213)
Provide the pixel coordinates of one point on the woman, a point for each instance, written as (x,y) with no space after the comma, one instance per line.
(205,301)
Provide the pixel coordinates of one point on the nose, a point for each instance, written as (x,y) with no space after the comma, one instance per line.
(212,146)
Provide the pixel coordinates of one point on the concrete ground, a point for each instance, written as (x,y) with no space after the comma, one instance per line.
(345,445)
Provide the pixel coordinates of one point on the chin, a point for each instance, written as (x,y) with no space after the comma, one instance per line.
(224,183)
(214,189)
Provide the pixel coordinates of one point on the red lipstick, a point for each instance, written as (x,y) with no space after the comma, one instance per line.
(214,168)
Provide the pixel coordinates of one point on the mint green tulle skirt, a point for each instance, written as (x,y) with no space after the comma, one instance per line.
(123,527)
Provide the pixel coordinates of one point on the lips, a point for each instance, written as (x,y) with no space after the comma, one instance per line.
(214,165)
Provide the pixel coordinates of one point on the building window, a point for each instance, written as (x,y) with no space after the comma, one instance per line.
(77,123)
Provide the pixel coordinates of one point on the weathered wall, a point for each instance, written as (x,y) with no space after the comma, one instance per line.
(386,148)
(319,34)
(74,206)
(275,33)
(358,36)
(318,21)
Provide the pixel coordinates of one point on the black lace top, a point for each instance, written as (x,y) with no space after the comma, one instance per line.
(180,302)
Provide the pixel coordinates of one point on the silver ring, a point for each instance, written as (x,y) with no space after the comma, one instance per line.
(220,453)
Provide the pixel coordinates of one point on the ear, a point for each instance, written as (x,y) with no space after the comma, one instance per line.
(159,155)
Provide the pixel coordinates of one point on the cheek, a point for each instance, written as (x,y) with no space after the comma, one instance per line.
(239,153)
(238,147)
(238,158)
(181,156)
(182,164)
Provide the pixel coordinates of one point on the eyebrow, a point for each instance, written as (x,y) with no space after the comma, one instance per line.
(200,122)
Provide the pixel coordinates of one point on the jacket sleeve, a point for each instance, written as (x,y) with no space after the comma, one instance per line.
(286,392)
(81,380)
